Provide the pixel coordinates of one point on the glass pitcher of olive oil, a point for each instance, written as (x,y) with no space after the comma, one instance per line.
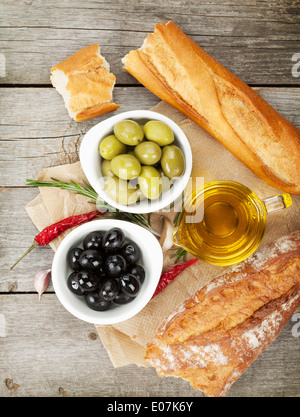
(224,222)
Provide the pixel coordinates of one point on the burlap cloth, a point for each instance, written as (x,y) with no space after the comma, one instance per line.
(125,342)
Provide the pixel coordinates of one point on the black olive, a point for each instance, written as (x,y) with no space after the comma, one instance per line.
(122,298)
(113,239)
(130,285)
(90,259)
(87,280)
(95,302)
(73,258)
(93,240)
(138,271)
(72,283)
(105,271)
(115,265)
(131,252)
(109,289)
(100,272)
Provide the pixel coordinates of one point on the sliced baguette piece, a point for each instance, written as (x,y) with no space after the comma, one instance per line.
(178,71)
(213,337)
(85,83)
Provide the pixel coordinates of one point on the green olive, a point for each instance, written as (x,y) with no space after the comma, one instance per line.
(172,161)
(106,169)
(159,132)
(147,152)
(125,166)
(150,182)
(110,147)
(121,191)
(129,132)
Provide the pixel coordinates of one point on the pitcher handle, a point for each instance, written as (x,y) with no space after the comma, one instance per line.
(277,202)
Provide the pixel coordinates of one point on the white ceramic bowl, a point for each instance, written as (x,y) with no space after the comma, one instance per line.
(91,160)
(151,260)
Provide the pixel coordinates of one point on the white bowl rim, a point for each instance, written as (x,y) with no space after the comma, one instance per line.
(93,136)
(131,309)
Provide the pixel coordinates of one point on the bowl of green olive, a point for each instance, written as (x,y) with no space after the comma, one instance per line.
(138,161)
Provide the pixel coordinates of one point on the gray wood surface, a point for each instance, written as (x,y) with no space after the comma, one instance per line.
(255,40)
(44,351)
(43,138)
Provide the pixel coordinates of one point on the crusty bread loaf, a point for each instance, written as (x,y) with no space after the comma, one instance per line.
(181,73)
(85,83)
(213,337)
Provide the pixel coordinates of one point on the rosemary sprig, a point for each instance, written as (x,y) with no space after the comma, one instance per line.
(176,218)
(180,253)
(87,191)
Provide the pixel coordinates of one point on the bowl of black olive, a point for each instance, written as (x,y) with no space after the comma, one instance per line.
(106,271)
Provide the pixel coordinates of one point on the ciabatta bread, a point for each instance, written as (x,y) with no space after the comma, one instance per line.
(85,83)
(213,337)
(181,73)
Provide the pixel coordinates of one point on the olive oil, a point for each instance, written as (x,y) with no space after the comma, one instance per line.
(221,223)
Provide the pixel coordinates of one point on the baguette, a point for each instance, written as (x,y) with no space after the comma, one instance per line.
(178,71)
(85,83)
(213,337)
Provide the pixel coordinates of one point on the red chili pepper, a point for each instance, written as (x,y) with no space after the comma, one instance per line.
(51,232)
(171,274)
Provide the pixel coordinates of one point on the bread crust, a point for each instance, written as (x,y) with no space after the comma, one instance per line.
(181,73)
(82,60)
(96,111)
(213,337)
(88,84)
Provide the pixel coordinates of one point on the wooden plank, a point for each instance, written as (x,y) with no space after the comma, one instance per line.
(17,233)
(33,138)
(48,352)
(47,117)
(255,40)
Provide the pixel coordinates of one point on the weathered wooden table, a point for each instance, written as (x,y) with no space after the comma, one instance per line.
(44,351)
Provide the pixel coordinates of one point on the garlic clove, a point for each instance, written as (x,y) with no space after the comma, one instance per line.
(41,281)
(166,240)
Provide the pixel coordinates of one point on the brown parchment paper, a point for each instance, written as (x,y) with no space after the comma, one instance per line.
(125,342)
